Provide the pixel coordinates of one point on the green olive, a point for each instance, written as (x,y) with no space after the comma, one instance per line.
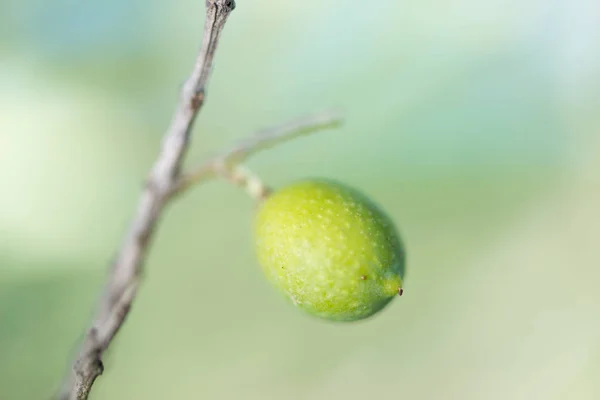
(329,249)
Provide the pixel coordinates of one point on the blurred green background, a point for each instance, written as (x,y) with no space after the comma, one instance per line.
(476,124)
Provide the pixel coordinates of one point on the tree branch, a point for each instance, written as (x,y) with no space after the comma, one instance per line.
(123,282)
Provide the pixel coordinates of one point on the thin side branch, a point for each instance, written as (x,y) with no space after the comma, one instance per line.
(123,282)
(227,163)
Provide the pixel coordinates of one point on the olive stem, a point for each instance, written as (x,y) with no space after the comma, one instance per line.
(241,176)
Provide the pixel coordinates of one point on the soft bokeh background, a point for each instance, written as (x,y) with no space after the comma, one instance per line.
(476,124)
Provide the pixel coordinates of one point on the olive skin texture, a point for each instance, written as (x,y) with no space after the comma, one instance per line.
(329,249)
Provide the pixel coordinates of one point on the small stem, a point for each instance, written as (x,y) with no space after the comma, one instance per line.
(244,178)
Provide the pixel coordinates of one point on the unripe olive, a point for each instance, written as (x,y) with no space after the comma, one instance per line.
(329,249)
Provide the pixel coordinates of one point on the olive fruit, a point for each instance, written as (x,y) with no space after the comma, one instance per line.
(329,249)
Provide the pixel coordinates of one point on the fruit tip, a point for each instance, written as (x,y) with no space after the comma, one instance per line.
(400,291)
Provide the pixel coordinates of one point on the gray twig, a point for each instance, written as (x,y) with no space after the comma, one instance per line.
(124,278)
(165,181)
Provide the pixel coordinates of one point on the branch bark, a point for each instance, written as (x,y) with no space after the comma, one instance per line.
(163,183)
(124,279)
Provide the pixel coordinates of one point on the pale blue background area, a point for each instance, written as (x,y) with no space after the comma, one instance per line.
(475,124)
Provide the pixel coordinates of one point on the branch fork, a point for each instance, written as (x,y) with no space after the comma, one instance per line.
(164,182)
